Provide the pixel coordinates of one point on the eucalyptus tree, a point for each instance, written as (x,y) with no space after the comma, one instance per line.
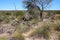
(39,4)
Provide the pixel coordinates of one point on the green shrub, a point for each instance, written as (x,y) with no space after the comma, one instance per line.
(11,17)
(20,13)
(57,12)
(5,20)
(7,13)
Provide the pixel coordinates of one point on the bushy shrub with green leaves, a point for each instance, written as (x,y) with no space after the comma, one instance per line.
(19,15)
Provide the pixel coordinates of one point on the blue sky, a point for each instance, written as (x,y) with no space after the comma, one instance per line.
(9,5)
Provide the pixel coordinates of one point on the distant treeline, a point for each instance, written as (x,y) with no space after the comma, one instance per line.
(13,11)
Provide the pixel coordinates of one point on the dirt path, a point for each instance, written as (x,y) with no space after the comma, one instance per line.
(53,36)
(4,35)
(26,35)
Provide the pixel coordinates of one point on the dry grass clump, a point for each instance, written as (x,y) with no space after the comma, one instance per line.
(57,16)
(17,35)
(23,28)
(46,29)
(2,38)
(34,21)
(41,31)
(55,26)
(58,35)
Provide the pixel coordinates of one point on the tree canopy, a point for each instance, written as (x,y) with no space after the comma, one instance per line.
(37,4)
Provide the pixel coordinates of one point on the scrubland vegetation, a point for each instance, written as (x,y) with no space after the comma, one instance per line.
(35,23)
(30,28)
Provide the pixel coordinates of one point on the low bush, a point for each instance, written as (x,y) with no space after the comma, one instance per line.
(5,20)
(7,13)
(20,13)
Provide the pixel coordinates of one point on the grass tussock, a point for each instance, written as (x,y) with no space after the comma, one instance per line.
(41,31)
(2,38)
(22,28)
(58,35)
(46,29)
(55,26)
(17,35)
(34,21)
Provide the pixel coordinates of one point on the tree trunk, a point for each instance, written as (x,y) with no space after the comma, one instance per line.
(41,16)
